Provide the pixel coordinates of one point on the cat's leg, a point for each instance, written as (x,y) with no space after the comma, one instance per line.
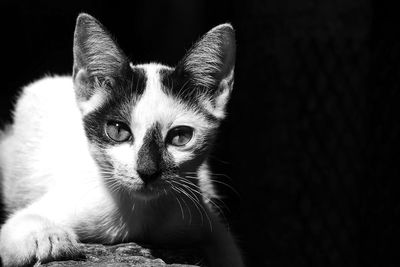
(33,234)
(220,248)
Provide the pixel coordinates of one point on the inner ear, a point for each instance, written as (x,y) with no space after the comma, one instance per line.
(207,70)
(211,59)
(82,83)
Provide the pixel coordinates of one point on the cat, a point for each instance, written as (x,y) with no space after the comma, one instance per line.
(117,152)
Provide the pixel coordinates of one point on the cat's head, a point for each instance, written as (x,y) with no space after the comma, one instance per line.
(150,126)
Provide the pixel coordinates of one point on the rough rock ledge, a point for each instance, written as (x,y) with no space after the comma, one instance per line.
(131,254)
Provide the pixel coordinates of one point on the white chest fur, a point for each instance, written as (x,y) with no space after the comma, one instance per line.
(47,143)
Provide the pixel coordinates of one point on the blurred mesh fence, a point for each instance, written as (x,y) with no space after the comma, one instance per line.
(321,81)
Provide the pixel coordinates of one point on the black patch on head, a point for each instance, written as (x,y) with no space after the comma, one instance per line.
(180,85)
(138,81)
(118,106)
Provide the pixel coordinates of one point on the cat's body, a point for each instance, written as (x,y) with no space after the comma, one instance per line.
(116,153)
(77,184)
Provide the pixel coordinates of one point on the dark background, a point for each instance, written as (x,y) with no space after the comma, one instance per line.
(312,139)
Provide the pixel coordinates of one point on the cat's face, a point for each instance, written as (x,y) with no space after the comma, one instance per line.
(144,135)
(150,126)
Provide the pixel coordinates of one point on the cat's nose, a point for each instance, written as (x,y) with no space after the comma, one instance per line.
(149,158)
(148,167)
(148,177)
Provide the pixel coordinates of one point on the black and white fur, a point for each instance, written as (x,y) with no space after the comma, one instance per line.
(64,181)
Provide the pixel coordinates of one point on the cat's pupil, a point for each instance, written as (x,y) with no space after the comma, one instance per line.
(180,139)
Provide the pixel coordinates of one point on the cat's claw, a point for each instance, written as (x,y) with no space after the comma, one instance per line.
(30,238)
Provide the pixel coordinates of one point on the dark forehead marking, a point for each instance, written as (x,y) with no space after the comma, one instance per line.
(175,84)
(118,105)
(139,80)
(181,87)
(123,95)
(127,85)
(181,84)
(166,76)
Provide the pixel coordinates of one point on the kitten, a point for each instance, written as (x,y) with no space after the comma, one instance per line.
(117,152)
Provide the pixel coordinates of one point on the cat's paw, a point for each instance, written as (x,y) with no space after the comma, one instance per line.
(31,238)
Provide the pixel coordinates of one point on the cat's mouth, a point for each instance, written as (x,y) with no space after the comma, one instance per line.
(150,191)
(140,189)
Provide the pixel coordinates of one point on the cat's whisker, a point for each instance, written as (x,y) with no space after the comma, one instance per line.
(190,191)
(212,174)
(180,205)
(197,189)
(220,175)
(191,199)
(188,209)
(227,185)
(192,185)
(219,182)
(220,210)
(219,160)
(194,196)
(114,185)
(174,190)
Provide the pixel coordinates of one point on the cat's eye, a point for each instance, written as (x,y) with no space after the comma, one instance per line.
(179,136)
(117,131)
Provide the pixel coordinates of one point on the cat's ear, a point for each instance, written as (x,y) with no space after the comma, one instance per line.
(98,61)
(210,64)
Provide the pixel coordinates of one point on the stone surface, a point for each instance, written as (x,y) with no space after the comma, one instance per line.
(130,254)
